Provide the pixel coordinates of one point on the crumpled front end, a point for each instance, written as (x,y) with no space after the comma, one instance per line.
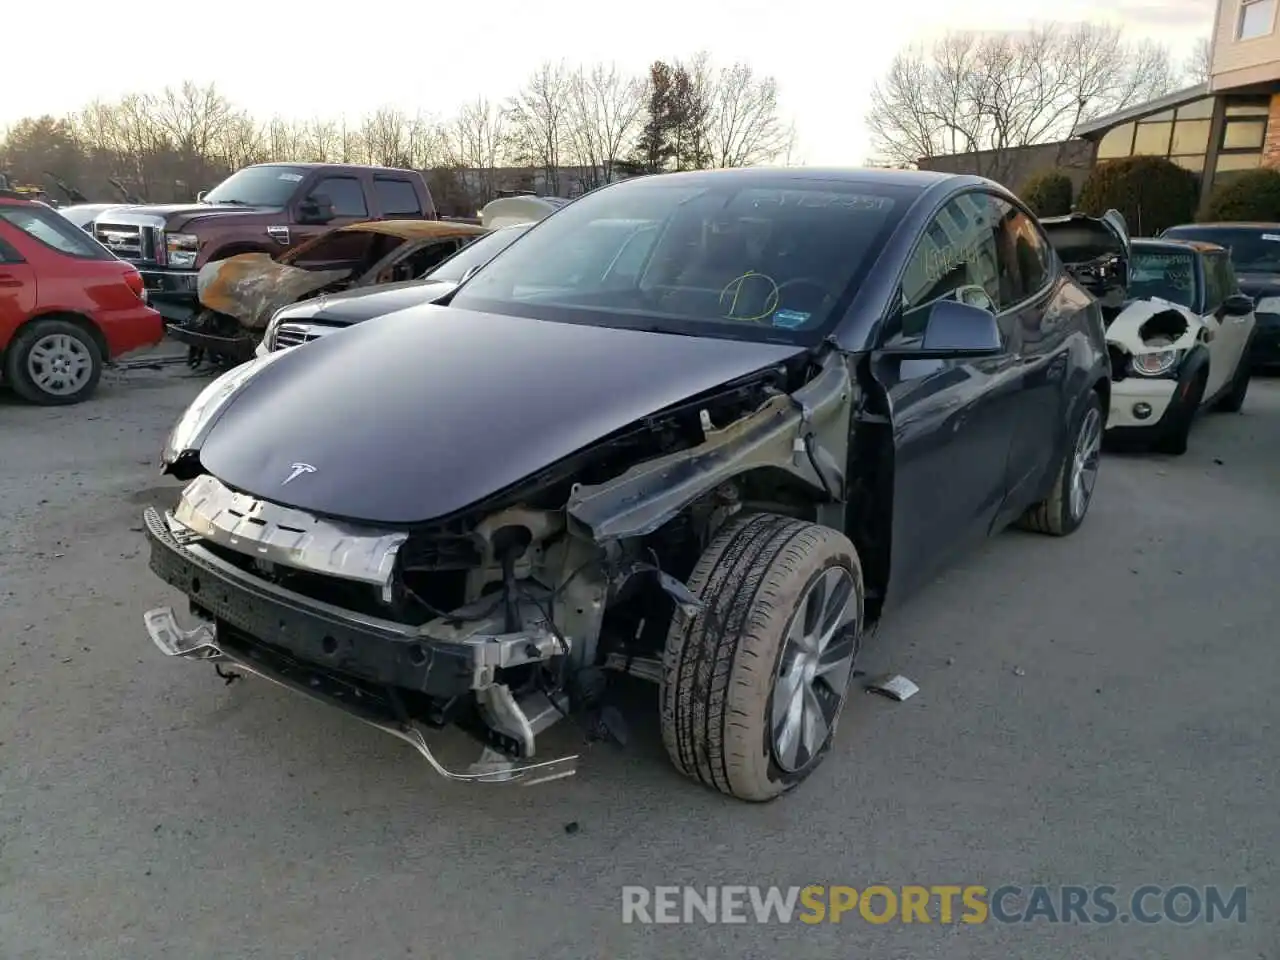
(317,607)
(503,616)
(252,286)
(1149,342)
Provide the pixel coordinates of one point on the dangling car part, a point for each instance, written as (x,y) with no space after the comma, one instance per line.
(240,294)
(702,448)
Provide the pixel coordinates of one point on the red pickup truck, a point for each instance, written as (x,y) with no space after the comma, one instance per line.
(265,208)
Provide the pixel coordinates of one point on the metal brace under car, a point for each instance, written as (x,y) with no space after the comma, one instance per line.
(201,643)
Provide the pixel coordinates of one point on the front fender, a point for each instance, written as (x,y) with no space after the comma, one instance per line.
(651,493)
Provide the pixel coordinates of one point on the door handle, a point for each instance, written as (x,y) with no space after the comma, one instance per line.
(9,280)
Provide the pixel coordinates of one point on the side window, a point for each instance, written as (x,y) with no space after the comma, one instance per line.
(7,253)
(1021,253)
(397,198)
(1215,289)
(346,194)
(956,259)
(56,232)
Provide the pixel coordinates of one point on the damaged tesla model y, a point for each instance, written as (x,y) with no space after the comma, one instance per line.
(701,428)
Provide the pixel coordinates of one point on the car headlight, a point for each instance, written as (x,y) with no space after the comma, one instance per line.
(206,406)
(181,249)
(1155,363)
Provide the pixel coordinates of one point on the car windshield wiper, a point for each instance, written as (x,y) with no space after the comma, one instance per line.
(236,203)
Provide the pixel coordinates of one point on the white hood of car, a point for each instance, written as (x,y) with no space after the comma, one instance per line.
(1134,331)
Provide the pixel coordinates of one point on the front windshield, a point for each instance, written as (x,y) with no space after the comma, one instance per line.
(1252,250)
(474,254)
(763,258)
(1166,274)
(269,186)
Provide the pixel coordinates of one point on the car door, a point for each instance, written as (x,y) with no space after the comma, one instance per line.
(1233,332)
(1217,335)
(1038,328)
(952,420)
(17,289)
(350,205)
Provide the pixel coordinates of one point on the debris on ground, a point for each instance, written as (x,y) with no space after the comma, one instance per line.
(894,686)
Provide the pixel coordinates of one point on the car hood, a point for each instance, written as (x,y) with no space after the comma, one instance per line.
(432,409)
(178,215)
(365,303)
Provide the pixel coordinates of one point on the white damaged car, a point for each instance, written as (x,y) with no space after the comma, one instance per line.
(1178,327)
(1179,345)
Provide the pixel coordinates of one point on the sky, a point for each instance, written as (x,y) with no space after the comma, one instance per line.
(324,59)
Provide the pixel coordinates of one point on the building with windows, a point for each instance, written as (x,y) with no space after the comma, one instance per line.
(1217,129)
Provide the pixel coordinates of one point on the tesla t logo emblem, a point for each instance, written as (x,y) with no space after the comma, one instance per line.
(298,470)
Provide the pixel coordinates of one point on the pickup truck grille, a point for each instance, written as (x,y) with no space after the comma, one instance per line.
(128,241)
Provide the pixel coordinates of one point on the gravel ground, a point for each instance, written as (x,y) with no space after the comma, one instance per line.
(1093,710)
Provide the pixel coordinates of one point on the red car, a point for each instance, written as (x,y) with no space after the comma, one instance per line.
(67,305)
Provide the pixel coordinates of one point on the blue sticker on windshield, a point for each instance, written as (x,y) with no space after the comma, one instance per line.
(790,319)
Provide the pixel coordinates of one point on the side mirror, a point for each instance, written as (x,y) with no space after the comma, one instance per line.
(200,196)
(317,208)
(1237,305)
(955,331)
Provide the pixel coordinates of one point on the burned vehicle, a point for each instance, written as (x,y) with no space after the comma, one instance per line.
(311,319)
(240,294)
(769,412)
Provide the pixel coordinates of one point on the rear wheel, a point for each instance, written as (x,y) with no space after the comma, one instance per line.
(1064,509)
(53,362)
(754,685)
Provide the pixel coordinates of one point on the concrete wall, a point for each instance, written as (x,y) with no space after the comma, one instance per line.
(1014,167)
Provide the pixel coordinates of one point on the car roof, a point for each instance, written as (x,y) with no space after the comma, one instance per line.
(1173,243)
(319,165)
(920,179)
(1228,225)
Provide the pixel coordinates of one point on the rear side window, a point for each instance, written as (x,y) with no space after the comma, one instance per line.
(56,232)
(8,254)
(346,195)
(397,198)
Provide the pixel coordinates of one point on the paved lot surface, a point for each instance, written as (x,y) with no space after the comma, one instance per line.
(1095,710)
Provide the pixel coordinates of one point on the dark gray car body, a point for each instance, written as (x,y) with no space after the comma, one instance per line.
(419,415)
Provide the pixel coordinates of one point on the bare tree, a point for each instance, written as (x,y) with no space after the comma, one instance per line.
(606,111)
(539,123)
(322,136)
(992,93)
(388,135)
(287,140)
(476,142)
(1198,65)
(743,127)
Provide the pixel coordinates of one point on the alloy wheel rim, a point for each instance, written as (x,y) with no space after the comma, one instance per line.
(1084,463)
(59,364)
(814,669)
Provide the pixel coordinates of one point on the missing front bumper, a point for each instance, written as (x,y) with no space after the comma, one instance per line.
(201,644)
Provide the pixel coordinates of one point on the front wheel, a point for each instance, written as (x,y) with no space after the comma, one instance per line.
(1233,400)
(754,685)
(1062,512)
(53,362)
